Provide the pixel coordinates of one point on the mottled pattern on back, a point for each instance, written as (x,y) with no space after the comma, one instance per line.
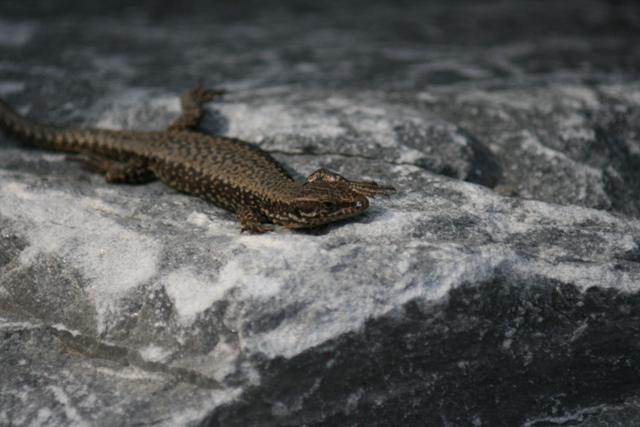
(227,171)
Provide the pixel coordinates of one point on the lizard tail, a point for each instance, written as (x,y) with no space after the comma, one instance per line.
(16,124)
(52,137)
(26,130)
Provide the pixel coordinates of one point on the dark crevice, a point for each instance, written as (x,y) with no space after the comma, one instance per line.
(351,155)
(483,169)
(327,153)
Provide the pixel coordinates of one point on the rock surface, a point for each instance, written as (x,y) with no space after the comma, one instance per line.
(499,286)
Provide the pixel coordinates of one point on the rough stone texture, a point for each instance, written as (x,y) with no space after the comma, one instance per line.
(447,304)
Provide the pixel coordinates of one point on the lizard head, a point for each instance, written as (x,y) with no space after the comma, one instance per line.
(318,203)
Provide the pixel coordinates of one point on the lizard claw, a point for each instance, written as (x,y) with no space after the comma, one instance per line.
(370,188)
(258,229)
(200,94)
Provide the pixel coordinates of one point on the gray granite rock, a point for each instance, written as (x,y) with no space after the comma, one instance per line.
(499,286)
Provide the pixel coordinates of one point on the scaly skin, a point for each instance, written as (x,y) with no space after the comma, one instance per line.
(233,174)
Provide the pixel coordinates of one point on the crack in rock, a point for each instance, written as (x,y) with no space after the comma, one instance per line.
(93,348)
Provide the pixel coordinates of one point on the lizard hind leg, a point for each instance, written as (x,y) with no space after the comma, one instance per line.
(365,188)
(325,175)
(192,110)
(134,171)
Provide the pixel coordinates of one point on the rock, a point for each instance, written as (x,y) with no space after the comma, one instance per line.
(582,148)
(499,286)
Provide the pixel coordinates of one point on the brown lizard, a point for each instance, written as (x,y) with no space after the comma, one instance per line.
(230,173)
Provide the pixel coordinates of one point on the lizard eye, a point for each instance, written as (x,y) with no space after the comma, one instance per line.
(329,205)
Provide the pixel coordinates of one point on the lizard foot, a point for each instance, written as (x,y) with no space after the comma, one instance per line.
(251,220)
(257,228)
(365,188)
(370,188)
(199,94)
(192,110)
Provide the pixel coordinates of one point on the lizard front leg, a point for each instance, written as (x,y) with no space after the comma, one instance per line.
(365,188)
(251,220)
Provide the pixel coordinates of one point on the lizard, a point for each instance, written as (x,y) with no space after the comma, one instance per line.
(230,173)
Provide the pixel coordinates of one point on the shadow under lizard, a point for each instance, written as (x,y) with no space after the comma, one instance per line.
(232,174)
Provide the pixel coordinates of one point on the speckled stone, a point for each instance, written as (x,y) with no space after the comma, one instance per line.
(447,304)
